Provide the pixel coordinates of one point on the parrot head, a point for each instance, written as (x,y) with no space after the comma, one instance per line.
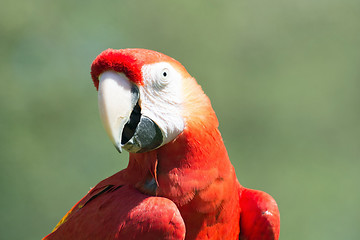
(146,98)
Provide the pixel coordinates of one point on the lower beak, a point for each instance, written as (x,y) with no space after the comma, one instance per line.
(117,98)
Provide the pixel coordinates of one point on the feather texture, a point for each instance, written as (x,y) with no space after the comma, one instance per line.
(185,189)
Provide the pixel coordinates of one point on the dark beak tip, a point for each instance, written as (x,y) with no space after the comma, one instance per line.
(118,148)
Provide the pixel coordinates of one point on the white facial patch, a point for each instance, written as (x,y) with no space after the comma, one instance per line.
(161,98)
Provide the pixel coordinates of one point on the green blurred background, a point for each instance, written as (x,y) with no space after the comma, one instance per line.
(283,77)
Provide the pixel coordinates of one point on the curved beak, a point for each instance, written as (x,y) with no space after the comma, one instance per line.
(117,97)
(121,115)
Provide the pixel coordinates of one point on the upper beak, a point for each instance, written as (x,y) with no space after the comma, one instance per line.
(117,98)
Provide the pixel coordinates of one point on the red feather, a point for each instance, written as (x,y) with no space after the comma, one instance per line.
(122,212)
(193,193)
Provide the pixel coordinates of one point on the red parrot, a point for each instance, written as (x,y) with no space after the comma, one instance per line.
(179,183)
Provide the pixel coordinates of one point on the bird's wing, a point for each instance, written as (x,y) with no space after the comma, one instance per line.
(260,217)
(120,212)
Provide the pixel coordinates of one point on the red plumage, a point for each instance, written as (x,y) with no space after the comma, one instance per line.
(197,195)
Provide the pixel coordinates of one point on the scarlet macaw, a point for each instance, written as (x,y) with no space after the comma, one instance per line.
(179,183)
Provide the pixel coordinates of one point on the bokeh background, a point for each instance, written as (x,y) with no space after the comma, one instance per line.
(283,77)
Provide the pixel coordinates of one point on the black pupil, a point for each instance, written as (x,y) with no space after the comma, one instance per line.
(164,74)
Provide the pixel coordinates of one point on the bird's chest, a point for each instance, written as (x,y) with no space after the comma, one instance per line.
(210,209)
(210,217)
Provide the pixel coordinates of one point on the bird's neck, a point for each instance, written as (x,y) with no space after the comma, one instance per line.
(196,158)
(192,161)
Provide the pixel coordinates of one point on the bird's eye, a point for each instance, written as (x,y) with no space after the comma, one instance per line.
(165,73)
(162,78)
